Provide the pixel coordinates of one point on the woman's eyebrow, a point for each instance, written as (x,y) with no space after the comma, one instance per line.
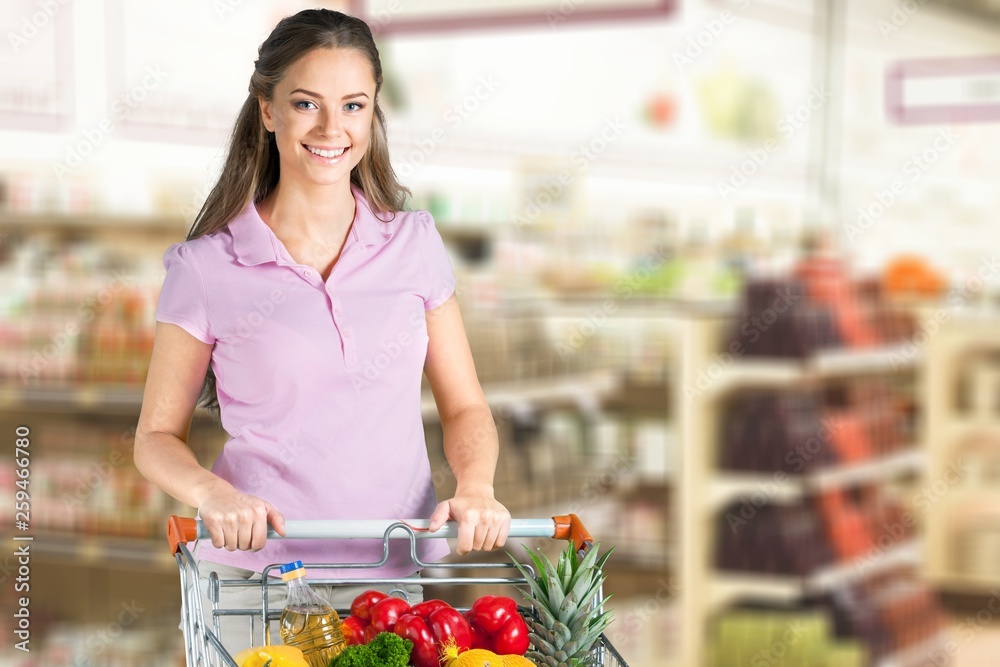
(309,92)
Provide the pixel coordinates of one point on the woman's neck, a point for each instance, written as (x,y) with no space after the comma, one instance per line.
(309,214)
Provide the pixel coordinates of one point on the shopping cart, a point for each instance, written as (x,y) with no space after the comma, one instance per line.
(202,643)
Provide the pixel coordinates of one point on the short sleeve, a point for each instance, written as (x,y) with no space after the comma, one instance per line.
(440,282)
(183,299)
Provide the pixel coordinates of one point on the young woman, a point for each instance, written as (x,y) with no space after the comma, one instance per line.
(304,305)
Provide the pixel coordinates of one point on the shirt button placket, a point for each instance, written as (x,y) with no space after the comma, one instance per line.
(350,350)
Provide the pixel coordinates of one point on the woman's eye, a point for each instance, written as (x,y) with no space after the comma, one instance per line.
(302,102)
(357,106)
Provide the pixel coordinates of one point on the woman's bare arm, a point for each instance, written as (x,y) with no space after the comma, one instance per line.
(176,373)
(471,445)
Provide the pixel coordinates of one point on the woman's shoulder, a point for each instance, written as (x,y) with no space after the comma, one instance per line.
(394,222)
(415,220)
(404,225)
(201,250)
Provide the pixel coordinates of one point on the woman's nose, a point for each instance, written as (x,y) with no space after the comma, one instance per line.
(329,124)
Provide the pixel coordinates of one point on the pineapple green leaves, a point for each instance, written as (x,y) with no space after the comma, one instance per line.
(562,596)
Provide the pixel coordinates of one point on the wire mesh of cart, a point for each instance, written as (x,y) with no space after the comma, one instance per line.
(202,632)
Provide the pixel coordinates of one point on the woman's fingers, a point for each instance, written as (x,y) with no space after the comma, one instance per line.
(491,536)
(499,525)
(483,523)
(276,519)
(239,521)
(502,533)
(466,537)
(258,534)
(480,534)
(215,532)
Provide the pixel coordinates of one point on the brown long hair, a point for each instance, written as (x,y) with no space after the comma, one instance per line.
(252,165)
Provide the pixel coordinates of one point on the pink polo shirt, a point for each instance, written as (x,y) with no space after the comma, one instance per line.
(318,383)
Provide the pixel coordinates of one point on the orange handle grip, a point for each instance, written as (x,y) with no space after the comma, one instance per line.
(569,527)
(181,530)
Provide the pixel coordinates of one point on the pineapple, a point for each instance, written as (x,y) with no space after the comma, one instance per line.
(565,627)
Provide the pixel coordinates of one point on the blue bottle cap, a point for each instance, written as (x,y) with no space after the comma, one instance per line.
(291,566)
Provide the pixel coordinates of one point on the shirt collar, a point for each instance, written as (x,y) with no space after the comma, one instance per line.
(255,243)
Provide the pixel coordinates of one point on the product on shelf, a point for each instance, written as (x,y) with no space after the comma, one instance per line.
(827,283)
(79,322)
(884,413)
(891,322)
(910,275)
(84,482)
(780,638)
(850,435)
(818,307)
(890,614)
(777,319)
(855,616)
(864,521)
(774,539)
(876,407)
(770,431)
(149,640)
(847,529)
(800,431)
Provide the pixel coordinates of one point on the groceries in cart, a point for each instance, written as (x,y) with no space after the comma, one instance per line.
(560,622)
(435,629)
(567,626)
(308,622)
(271,656)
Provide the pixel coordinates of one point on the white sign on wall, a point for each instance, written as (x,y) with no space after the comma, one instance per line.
(37,82)
(399,16)
(946,90)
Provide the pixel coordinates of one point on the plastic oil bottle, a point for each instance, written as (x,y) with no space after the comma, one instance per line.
(308,622)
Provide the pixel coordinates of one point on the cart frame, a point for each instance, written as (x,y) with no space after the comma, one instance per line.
(203,646)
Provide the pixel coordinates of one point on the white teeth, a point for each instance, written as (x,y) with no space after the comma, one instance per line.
(326,154)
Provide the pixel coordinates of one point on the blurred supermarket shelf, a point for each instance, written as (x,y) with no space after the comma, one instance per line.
(635,305)
(966,431)
(728,588)
(584,388)
(967,582)
(88,222)
(637,544)
(102,550)
(826,364)
(728,487)
(578,389)
(120,401)
(908,461)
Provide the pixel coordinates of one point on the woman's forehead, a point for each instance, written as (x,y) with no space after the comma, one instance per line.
(331,71)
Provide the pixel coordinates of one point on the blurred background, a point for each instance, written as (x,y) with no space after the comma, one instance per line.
(728,271)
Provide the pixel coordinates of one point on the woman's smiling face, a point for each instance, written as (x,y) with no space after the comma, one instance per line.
(325,102)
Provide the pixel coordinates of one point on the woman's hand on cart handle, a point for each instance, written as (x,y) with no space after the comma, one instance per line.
(237,520)
(483,522)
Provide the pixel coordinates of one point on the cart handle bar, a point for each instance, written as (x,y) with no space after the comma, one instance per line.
(181,530)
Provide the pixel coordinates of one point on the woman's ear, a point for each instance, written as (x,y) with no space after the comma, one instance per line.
(265,114)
